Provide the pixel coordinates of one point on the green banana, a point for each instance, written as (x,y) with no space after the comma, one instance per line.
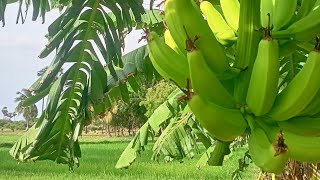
(181,18)
(175,28)
(263,86)
(305,8)
(302,148)
(305,28)
(231,11)
(166,61)
(300,91)
(213,117)
(313,107)
(171,43)
(270,155)
(96,92)
(266,7)
(304,126)
(218,25)
(204,82)
(283,12)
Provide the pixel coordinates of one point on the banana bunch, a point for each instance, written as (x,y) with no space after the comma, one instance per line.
(281,110)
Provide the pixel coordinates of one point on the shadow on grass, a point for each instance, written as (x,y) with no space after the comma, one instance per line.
(9,145)
(105,142)
(6,145)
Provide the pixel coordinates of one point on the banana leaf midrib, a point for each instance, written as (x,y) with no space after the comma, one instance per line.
(85,41)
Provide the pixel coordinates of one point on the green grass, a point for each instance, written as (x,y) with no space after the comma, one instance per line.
(99,157)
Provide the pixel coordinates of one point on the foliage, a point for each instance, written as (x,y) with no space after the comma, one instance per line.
(178,138)
(29,112)
(84,30)
(7,114)
(89,36)
(4,111)
(100,155)
(129,115)
(12,125)
(156,95)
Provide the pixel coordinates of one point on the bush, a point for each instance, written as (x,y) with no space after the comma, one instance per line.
(13,125)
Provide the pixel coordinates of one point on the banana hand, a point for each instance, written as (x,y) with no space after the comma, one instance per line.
(204,82)
(166,61)
(223,123)
(300,91)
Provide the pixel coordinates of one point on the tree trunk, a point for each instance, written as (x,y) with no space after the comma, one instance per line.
(108,126)
(27,124)
(122,132)
(133,131)
(118,131)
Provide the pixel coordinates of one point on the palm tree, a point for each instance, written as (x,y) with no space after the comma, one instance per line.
(4,112)
(29,112)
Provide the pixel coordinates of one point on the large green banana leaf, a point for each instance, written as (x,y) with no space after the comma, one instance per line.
(87,37)
(179,134)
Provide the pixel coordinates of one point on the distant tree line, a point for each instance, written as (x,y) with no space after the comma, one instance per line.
(7,124)
(121,120)
(126,118)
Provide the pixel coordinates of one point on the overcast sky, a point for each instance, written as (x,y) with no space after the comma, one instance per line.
(20,46)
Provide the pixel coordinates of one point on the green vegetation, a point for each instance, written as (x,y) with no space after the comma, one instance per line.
(99,157)
(11,125)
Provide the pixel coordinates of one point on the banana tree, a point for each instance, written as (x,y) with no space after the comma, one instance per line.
(89,36)
(30,112)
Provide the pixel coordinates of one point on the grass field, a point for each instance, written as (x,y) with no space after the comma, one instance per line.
(99,157)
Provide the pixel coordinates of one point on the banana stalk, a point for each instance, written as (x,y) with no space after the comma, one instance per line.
(247,46)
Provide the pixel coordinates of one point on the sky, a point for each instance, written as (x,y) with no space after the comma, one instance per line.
(20,45)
